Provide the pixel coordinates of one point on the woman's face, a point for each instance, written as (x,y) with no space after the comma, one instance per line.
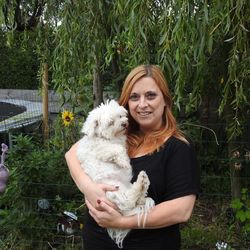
(146,104)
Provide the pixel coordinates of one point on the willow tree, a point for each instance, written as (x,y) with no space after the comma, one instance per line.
(184,37)
(78,50)
(89,54)
(197,32)
(203,47)
(187,38)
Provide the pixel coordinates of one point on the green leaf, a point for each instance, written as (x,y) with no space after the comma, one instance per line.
(248,214)
(241,215)
(247,227)
(142,32)
(163,38)
(210,44)
(237,204)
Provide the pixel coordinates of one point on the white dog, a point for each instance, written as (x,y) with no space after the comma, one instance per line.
(103,156)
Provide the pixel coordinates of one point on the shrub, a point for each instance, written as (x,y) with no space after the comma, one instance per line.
(36,172)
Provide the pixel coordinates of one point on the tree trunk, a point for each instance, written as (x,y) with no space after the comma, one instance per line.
(45,83)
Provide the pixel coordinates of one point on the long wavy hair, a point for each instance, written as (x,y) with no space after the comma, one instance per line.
(156,139)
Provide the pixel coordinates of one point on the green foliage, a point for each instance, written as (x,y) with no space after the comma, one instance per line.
(36,172)
(202,47)
(63,136)
(191,41)
(209,226)
(18,66)
(242,210)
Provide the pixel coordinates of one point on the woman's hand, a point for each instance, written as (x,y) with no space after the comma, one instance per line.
(97,192)
(106,216)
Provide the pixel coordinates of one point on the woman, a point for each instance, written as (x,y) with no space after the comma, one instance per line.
(157,146)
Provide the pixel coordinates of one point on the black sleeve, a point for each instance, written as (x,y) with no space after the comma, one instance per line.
(181,171)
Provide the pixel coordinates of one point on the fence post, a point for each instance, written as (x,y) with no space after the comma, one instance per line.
(45,100)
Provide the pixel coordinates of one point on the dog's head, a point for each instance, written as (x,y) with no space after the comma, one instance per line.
(107,121)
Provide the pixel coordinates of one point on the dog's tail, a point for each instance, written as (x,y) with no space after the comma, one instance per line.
(142,212)
(118,235)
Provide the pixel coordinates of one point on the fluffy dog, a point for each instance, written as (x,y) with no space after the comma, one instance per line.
(103,156)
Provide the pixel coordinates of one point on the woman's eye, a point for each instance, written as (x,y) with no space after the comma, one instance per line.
(151,95)
(134,98)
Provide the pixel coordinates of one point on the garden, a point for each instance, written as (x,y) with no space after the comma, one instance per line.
(82,51)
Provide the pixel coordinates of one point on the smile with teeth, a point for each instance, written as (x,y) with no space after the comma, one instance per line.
(144,113)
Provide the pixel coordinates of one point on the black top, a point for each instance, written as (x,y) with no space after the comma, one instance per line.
(173,173)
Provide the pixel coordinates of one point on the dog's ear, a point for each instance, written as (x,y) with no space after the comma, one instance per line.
(90,126)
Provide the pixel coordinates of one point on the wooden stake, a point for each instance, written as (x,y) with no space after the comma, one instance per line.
(45,84)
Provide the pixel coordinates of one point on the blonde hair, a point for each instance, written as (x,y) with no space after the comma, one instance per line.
(169,128)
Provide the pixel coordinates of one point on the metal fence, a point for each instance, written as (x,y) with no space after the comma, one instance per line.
(64,228)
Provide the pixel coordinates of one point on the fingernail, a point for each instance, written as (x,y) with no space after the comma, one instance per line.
(98,201)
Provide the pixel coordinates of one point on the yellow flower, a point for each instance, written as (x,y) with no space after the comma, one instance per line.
(67,117)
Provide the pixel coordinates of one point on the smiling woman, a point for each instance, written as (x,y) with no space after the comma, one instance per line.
(155,145)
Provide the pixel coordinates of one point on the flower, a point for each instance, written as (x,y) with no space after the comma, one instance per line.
(222,245)
(67,117)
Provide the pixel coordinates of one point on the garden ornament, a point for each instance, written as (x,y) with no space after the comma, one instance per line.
(43,205)
(68,223)
(4,171)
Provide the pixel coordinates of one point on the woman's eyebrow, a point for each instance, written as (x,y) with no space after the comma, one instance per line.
(151,91)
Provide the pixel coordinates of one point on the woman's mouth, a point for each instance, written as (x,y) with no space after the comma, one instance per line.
(144,113)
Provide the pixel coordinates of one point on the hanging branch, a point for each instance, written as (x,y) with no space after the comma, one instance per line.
(16,19)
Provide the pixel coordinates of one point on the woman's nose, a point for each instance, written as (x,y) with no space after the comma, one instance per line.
(142,102)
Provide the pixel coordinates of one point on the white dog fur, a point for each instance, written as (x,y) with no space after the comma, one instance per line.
(103,156)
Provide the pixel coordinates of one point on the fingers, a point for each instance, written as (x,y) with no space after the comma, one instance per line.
(109,203)
(105,207)
(98,205)
(106,187)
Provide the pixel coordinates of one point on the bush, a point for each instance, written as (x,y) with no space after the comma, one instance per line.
(18,66)
(36,173)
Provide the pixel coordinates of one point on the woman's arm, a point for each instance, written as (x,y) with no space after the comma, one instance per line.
(164,214)
(92,191)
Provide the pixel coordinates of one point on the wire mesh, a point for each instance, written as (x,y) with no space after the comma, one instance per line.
(214,161)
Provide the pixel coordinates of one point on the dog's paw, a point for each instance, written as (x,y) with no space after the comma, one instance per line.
(143,179)
(122,160)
